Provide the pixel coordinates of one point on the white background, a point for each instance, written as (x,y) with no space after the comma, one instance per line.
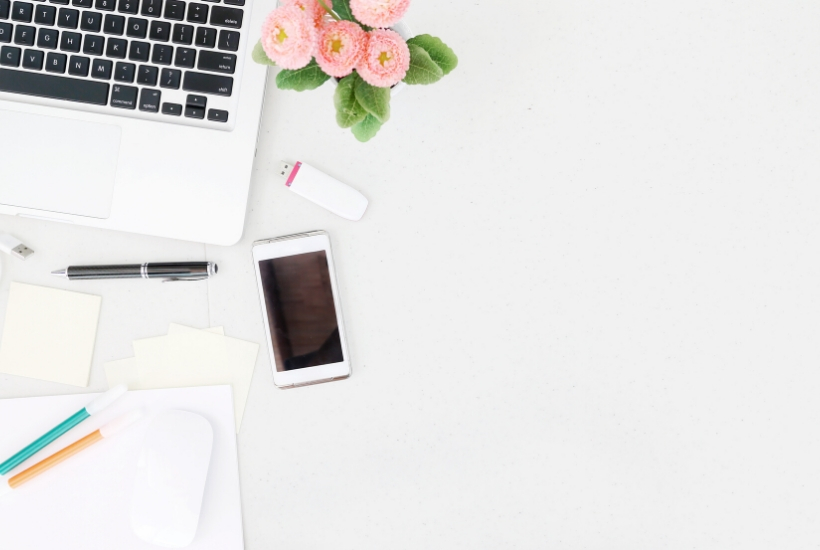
(582,306)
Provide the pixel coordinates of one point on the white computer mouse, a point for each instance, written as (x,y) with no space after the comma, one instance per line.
(170,482)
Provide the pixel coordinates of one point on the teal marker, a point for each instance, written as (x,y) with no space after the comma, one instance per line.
(34,447)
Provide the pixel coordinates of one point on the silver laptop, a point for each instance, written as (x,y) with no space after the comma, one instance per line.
(133,115)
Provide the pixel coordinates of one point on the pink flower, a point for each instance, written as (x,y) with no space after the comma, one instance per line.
(340,47)
(386,59)
(289,37)
(311,7)
(379,13)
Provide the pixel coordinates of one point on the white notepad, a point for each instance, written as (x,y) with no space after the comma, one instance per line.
(85,502)
(49,334)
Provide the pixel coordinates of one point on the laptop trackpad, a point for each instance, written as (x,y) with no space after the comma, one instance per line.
(57,164)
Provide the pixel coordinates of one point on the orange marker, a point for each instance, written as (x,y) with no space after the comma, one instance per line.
(6,485)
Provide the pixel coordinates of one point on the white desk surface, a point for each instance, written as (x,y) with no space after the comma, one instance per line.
(583,307)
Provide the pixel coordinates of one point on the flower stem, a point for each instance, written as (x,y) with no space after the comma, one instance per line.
(328,10)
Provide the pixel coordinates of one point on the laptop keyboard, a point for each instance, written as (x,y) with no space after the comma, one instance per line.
(168,60)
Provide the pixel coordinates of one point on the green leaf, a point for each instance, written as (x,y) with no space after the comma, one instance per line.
(259,55)
(439,52)
(348,110)
(367,128)
(342,9)
(309,77)
(376,101)
(422,70)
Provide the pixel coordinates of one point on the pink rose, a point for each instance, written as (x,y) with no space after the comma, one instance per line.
(386,59)
(312,7)
(379,13)
(340,46)
(289,37)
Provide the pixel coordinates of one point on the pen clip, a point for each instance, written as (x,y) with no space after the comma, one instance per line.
(180,279)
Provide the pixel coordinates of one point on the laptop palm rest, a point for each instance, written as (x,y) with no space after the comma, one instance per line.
(75,174)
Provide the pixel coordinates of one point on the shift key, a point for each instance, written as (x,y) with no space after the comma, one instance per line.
(207,83)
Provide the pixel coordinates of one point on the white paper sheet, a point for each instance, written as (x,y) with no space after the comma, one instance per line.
(49,334)
(84,503)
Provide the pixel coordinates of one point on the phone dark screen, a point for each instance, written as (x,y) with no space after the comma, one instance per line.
(300,309)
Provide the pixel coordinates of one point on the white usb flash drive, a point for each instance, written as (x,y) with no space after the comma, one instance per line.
(327,192)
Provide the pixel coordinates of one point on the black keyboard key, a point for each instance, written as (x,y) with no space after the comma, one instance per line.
(183,34)
(160,31)
(5,8)
(93,44)
(116,48)
(162,54)
(147,75)
(173,109)
(55,62)
(54,87)
(10,56)
(139,51)
(226,17)
(68,18)
(105,5)
(137,28)
(185,58)
(70,41)
(48,38)
(91,21)
(59,1)
(197,13)
(123,97)
(124,72)
(33,59)
(21,11)
(149,100)
(5,32)
(114,24)
(170,78)
(194,100)
(101,68)
(151,8)
(235,2)
(205,37)
(217,61)
(128,6)
(81,3)
(194,112)
(229,40)
(78,66)
(207,83)
(175,10)
(45,15)
(24,35)
(217,115)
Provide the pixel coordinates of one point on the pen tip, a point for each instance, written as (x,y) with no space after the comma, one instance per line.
(59,273)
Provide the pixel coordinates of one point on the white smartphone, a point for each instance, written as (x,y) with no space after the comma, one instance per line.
(301,309)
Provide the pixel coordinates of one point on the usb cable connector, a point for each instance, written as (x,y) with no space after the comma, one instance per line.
(14,247)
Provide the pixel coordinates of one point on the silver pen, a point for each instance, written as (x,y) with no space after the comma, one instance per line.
(172,271)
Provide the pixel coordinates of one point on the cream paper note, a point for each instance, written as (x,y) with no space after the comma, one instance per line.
(189,357)
(49,334)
